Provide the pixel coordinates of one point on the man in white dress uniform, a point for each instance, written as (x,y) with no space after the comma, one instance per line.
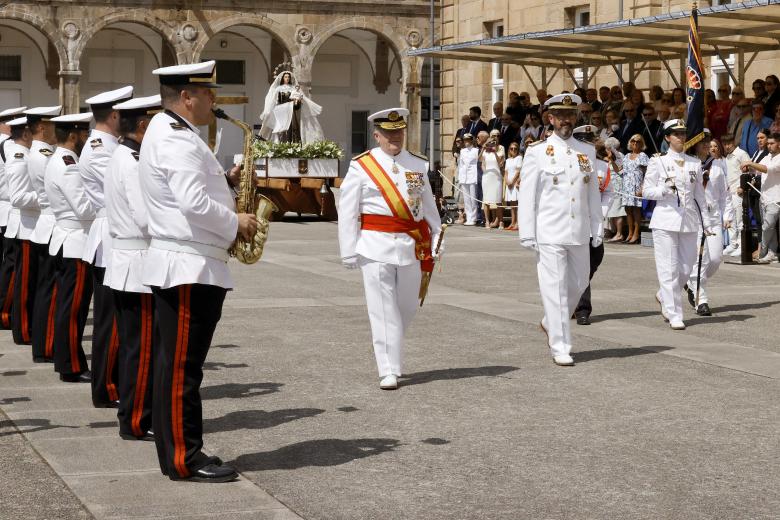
(674,181)
(388,225)
(192,223)
(42,149)
(559,215)
(93,162)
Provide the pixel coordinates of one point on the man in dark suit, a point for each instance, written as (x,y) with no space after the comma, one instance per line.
(654,136)
(476,124)
(508,129)
(495,121)
(631,125)
(592,98)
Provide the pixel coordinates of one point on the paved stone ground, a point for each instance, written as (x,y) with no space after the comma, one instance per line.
(651,423)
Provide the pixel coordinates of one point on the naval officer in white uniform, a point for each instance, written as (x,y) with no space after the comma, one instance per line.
(674,181)
(385,200)
(93,162)
(559,215)
(192,221)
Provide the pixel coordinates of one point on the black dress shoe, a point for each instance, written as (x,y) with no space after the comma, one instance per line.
(42,360)
(583,319)
(691,296)
(704,310)
(84,377)
(110,404)
(211,474)
(148,436)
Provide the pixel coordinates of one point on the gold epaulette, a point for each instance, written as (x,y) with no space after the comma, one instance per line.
(535,143)
(419,156)
(358,156)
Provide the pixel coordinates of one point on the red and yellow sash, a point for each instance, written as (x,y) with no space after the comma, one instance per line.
(402,220)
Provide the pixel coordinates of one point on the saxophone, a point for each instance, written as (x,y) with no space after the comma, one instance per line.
(249,201)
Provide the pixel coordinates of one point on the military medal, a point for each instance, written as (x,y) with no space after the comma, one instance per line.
(680,162)
(586,179)
(585,165)
(550,150)
(414,187)
(394,169)
(555,180)
(692,175)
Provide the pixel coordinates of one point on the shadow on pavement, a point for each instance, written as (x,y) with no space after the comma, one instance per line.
(744,306)
(444,374)
(612,353)
(29,426)
(12,400)
(216,365)
(256,419)
(621,315)
(239,390)
(703,320)
(13,373)
(321,452)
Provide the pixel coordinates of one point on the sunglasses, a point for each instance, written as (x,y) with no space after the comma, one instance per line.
(648,114)
(634,141)
(513,148)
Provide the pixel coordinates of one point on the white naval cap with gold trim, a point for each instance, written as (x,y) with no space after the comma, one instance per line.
(674,125)
(203,74)
(144,105)
(585,129)
(390,119)
(19,121)
(110,98)
(11,113)
(75,121)
(563,102)
(42,113)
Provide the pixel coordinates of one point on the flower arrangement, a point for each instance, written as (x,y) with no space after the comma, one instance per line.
(315,150)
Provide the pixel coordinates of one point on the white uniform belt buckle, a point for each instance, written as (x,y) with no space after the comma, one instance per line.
(193,248)
(130,244)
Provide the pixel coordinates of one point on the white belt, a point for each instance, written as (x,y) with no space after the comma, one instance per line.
(193,248)
(74,224)
(130,244)
(29,212)
(101,213)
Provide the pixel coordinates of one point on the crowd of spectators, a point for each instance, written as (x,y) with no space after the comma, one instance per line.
(488,155)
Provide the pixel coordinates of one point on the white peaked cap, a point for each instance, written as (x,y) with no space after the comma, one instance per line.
(140,103)
(111,97)
(19,121)
(12,112)
(44,111)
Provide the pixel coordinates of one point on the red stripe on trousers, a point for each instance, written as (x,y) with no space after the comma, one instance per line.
(113,346)
(9,298)
(143,364)
(177,397)
(49,352)
(25,281)
(74,318)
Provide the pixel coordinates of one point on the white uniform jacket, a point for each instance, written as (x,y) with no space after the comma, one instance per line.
(608,193)
(467,165)
(734,161)
(718,206)
(92,165)
(127,220)
(192,213)
(559,201)
(675,210)
(40,153)
(359,194)
(70,205)
(5,201)
(770,181)
(24,199)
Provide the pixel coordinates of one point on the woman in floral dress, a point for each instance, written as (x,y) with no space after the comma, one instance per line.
(634,167)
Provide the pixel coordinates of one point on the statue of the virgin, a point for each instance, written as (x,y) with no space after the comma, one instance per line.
(289,115)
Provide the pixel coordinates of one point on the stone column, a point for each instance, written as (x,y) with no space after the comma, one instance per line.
(69,90)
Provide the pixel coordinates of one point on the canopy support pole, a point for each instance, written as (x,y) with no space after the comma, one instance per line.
(725,65)
(669,70)
(530,78)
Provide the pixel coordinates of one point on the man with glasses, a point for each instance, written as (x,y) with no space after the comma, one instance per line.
(772,100)
(652,130)
(759,90)
(737,95)
(584,112)
(748,140)
(632,125)
(559,210)
(742,111)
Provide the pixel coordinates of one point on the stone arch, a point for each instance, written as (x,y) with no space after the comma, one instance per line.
(281,34)
(139,16)
(42,25)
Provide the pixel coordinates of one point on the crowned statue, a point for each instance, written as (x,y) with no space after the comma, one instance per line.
(288,114)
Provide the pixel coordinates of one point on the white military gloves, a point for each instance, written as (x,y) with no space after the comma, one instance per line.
(596,241)
(350,262)
(529,243)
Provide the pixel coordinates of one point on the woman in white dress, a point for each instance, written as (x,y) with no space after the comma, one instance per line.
(492,159)
(512,181)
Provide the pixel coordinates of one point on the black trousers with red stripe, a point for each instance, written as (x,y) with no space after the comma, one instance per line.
(45,304)
(25,282)
(10,250)
(105,342)
(186,316)
(74,291)
(135,322)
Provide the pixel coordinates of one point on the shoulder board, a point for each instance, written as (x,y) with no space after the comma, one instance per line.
(419,156)
(96,142)
(46,152)
(358,156)
(135,155)
(18,155)
(536,143)
(178,126)
(68,160)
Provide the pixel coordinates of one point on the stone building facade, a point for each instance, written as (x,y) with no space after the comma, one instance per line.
(464,84)
(350,55)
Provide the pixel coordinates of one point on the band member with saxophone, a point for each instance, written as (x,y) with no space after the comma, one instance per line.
(192,222)
(388,222)
(133,303)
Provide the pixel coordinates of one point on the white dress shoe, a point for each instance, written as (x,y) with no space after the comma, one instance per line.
(730,249)
(677,325)
(663,310)
(736,252)
(388,383)
(564,360)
